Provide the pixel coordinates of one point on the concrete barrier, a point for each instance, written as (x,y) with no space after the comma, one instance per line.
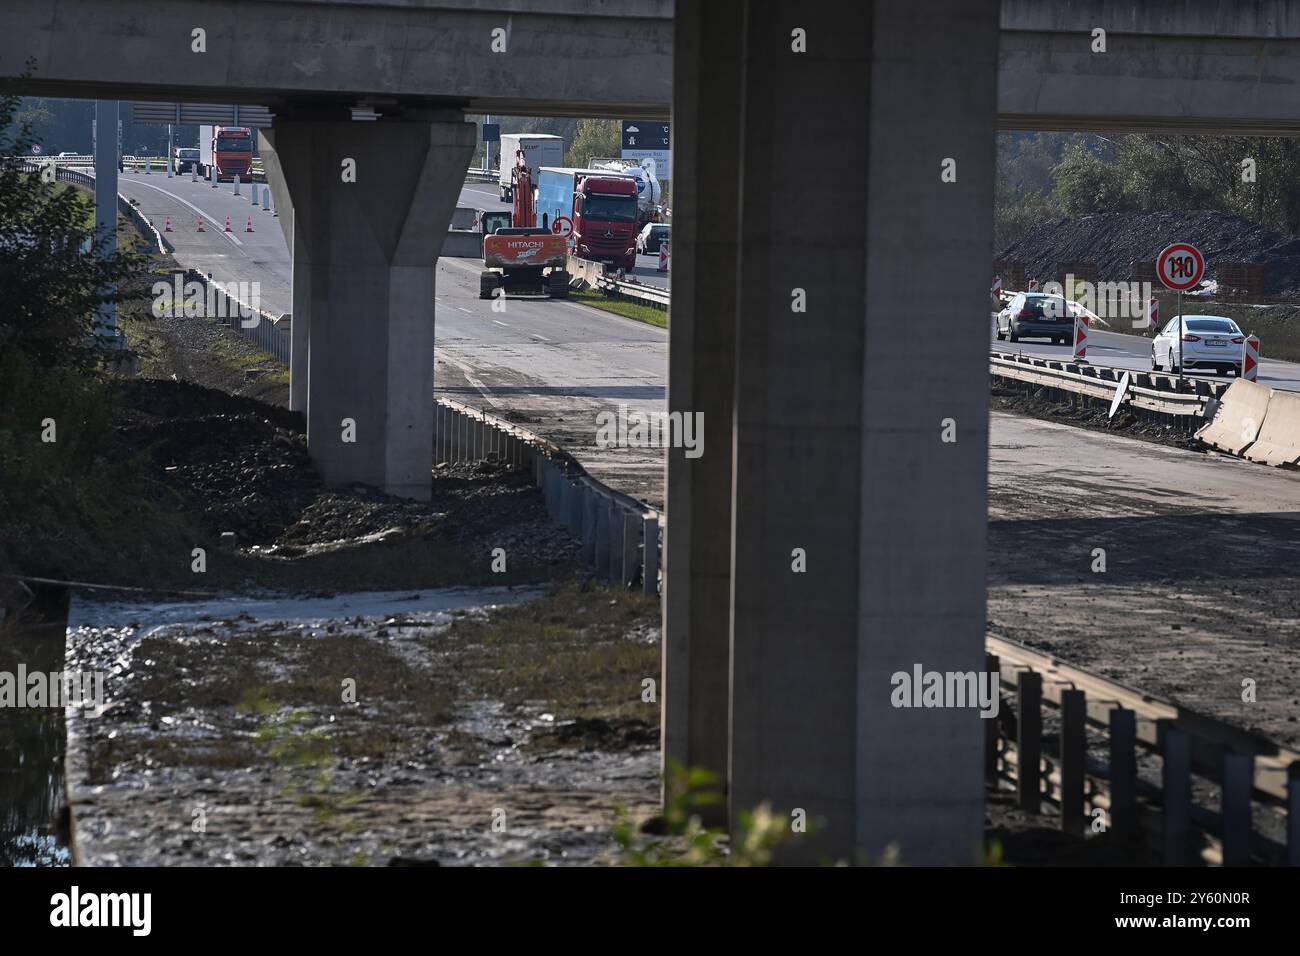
(463,244)
(1238,419)
(1279,435)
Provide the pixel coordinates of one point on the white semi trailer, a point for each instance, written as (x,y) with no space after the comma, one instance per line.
(540,149)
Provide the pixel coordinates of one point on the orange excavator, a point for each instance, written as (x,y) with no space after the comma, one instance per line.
(524,258)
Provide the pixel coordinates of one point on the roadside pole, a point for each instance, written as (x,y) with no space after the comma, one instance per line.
(1180,341)
(106,152)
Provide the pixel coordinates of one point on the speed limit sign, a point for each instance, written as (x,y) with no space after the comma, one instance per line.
(1180,266)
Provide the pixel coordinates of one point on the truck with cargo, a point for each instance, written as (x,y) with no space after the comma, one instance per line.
(540,149)
(601,205)
(649,192)
(228,150)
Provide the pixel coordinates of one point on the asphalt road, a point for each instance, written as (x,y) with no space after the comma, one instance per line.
(548,363)
(1134,352)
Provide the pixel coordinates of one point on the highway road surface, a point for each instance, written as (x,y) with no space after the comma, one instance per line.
(547,363)
(1122,350)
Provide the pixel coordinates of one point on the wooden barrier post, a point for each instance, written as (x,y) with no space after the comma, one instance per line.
(1074,749)
(1238,781)
(1177,783)
(1029,740)
(992,730)
(1123,772)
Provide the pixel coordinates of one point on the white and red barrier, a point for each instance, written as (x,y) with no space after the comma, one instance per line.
(1033,285)
(1250,358)
(1080,337)
(663,256)
(1153,313)
(997,287)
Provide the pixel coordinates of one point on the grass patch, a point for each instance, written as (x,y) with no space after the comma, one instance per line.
(631,310)
(569,652)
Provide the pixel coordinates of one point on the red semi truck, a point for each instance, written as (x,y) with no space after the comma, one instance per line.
(602,206)
(228,149)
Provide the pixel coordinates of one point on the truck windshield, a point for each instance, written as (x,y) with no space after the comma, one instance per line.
(609,208)
(229,144)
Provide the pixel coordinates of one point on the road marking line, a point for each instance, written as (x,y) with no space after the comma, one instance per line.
(499,322)
(465,310)
(185,202)
(446,356)
(536,336)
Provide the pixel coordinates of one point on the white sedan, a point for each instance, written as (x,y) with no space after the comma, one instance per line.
(1208,342)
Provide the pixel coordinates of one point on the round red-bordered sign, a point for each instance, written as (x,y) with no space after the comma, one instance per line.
(1180,266)
(562,226)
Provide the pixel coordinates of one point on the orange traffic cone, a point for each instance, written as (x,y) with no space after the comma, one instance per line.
(249,227)
(167,227)
(228,224)
(200,229)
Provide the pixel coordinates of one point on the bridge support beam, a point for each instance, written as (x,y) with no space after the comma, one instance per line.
(372,202)
(857,549)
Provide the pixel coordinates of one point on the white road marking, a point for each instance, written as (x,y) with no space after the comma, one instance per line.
(445,355)
(461,308)
(208,220)
(536,336)
(499,322)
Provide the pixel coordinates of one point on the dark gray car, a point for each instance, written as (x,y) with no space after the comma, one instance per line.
(1036,315)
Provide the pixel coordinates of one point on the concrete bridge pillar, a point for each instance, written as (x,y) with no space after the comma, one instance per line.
(371,206)
(701,367)
(858,482)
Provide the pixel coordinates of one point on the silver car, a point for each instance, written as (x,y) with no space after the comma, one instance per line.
(1210,342)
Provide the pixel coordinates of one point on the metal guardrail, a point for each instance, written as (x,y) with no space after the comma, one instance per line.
(636,291)
(1149,391)
(1158,807)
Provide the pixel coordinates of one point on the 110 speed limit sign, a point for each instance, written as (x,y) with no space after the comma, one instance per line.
(1180,266)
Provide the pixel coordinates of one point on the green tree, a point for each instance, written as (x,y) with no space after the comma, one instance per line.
(595,137)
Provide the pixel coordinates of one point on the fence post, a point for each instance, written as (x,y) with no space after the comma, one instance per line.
(1238,781)
(615,524)
(992,729)
(1293,814)
(1074,750)
(1123,772)
(602,539)
(631,546)
(1177,783)
(1029,740)
(650,556)
(589,525)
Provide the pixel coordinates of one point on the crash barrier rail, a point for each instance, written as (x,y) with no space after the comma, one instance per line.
(473,175)
(620,536)
(1182,400)
(1147,771)
(271,333)
(597,276)
(1257,423)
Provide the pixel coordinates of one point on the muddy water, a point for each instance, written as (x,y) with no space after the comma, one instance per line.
(31,750)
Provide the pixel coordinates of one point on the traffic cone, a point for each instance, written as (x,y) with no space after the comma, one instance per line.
(249,227)
(200,229)
(228,224)
(167,227)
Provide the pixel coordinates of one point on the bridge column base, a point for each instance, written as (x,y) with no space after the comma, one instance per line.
(372,202)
